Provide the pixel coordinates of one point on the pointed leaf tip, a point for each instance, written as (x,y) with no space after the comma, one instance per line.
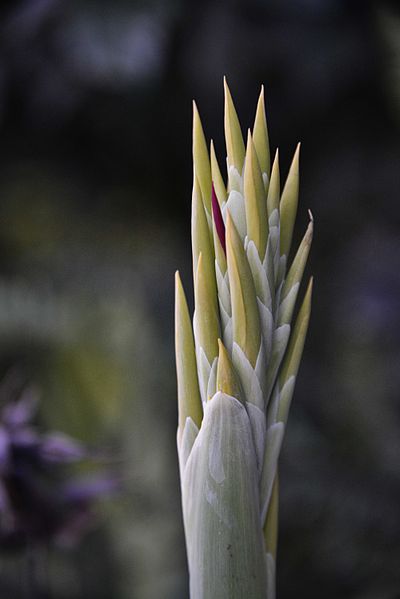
(227,380)
(290,367)
(245,316)
(289,202)
(201,160)
(260,135)
(297,339)
(189,402)
(255,204)
(233,134)
(296,270)
(201,239)
(274,188)
(206,320)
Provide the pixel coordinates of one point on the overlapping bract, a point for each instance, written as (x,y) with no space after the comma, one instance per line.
(237,367)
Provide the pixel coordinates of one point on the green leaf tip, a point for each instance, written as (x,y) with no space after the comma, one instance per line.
(245,317)
(201,160)
(297,339)
(295,275)
(289,202)
(189,402)
(206,312)
(296,270)
(227,380)
(255,204)
(260,135)
(274,188)
(233,134)
(201,236)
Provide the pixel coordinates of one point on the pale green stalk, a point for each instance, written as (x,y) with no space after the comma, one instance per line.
(238,361)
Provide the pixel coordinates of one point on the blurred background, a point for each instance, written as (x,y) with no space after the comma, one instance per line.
(95,191)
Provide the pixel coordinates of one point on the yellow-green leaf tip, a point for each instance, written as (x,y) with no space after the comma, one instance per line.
(206,312)
(245,317)
(296,271)
(260,135)
(255,204)
(201,160)
(297,339)
(227,380)
(274,188)
(233,134)
(201,236)
(289,202)
(189,402)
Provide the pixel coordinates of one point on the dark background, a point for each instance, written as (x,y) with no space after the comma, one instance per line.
(95,191)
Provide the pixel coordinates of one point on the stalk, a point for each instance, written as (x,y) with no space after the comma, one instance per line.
(237,363)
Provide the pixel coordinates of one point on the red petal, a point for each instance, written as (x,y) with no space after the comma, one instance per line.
(218,220)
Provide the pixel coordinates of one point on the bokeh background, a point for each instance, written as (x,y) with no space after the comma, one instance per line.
(95,191)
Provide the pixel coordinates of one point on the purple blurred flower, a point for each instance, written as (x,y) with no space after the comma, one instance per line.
(39,499)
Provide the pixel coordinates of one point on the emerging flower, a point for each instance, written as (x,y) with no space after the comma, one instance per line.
(237,365)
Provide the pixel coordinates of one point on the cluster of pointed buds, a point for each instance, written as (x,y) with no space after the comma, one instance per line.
(237,363)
